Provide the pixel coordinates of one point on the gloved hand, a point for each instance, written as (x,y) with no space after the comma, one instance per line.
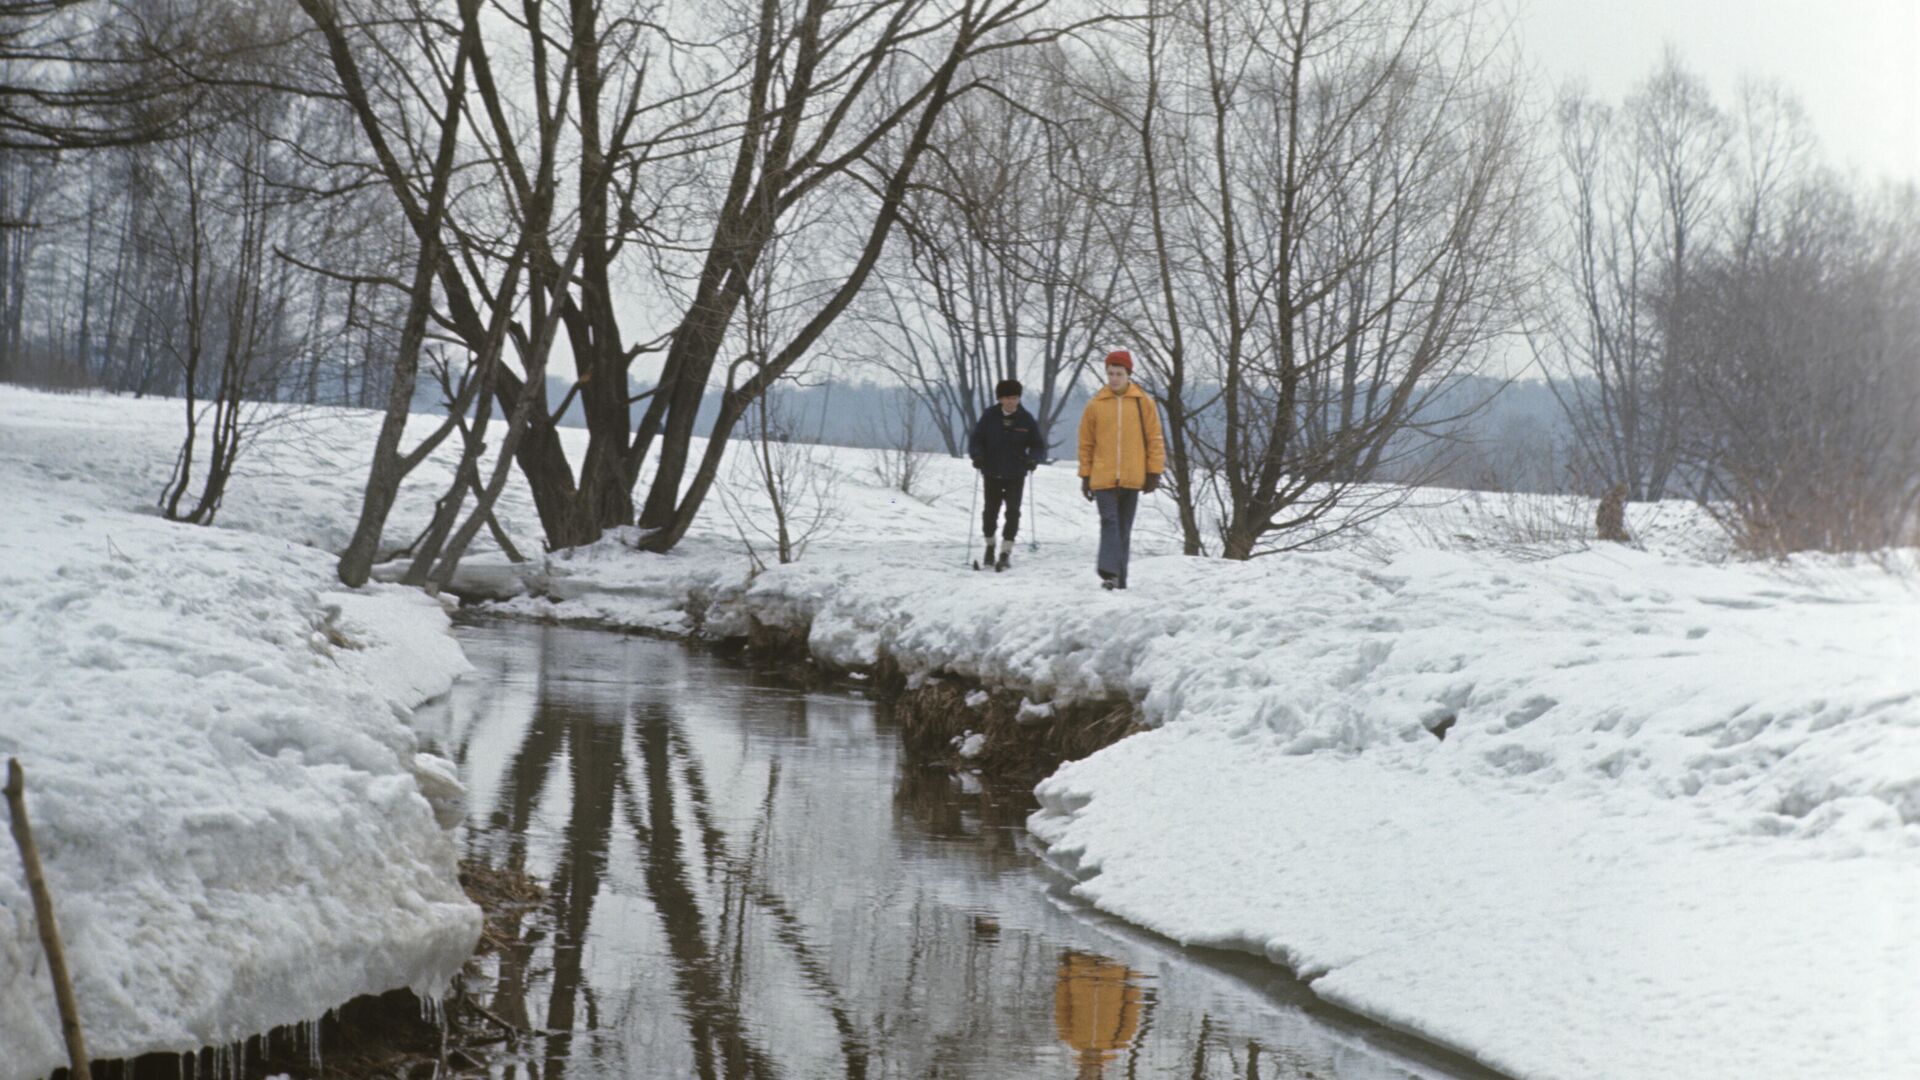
(979,466)
(1086,488)
(1153,483)
(1032,465)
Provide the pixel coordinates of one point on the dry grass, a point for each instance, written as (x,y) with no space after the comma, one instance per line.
(936,713)
(504,894)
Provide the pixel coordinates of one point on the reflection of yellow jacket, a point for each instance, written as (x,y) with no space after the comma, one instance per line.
(1120,440)
(1096,1005)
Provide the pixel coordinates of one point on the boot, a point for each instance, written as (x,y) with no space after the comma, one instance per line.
(1006,553)
(986,559)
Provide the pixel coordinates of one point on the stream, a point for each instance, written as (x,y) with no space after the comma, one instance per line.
(748,880)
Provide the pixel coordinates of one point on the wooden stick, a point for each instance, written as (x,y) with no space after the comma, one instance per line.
(43,915)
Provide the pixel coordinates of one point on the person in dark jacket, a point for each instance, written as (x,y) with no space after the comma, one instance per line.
(1005,447)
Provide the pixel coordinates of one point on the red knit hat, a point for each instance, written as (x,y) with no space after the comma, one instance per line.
(1121,357)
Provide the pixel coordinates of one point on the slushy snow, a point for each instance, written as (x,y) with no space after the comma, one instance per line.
(225,793)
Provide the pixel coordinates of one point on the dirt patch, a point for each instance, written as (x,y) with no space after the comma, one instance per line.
(391,1036)
(936,721)
(769,641)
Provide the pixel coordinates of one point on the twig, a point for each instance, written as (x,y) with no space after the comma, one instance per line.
(513,1030)
(16,792)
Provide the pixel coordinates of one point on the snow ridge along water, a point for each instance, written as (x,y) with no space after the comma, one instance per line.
(219,770)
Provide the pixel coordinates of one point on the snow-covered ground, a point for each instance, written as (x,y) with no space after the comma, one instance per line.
(223,787)
(1673,827)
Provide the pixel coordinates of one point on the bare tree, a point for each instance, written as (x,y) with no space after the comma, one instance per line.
(855,113)
(900,459)
(84,294)
(1336,204)
(224,306)
(1734,323)
(793,480)
(214,299)
(73,75)
(1806,408)
(1643,197)
(27,186)
(1005,272)
(821,104)
(470,259)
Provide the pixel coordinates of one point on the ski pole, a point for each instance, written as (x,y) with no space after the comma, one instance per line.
(1033,534)
(971,504)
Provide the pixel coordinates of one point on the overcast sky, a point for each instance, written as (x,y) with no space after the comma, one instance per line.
(1851,62)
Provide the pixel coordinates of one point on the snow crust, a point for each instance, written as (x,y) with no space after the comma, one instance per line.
(220,777)
(1673,826)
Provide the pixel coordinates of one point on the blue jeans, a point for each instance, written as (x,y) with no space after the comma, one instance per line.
(1116,507)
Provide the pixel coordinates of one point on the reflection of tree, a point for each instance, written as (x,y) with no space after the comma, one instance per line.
(746,882)
(948,808)
(526,779)
(711,1006)
(790,931)
(1211,1038)
(709,987)
(593,760)
(940,989)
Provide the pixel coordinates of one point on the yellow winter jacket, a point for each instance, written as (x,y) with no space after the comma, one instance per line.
(1120,441)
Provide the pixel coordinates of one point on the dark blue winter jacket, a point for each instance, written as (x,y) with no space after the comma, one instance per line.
(1006,446)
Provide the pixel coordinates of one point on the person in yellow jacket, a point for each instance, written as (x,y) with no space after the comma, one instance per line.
(1122,454)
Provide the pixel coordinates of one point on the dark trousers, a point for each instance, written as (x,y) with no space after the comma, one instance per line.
(1007,490)
(1117,506)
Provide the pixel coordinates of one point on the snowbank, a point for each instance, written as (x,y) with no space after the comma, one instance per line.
(1673,827)
(218,767)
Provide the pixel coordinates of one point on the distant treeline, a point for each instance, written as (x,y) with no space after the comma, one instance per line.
(1480,432)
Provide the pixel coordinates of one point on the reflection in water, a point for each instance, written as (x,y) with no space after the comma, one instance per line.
(746,882)
(1096,1009)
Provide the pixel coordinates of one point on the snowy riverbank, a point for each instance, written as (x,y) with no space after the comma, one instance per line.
(1673,826)
(221,779)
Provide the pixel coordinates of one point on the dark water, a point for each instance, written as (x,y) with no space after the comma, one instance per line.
(749,881)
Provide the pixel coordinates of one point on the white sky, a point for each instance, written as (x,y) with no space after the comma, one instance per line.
(1851,62)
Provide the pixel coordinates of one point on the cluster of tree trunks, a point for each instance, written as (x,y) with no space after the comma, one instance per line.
(1312,223)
